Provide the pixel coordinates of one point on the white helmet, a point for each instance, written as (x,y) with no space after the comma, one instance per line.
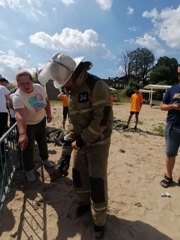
(60,69)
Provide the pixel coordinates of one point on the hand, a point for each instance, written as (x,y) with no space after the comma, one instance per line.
(75,146)
(22,141)
(176,106)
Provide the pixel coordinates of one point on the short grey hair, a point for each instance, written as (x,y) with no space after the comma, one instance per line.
(23,72)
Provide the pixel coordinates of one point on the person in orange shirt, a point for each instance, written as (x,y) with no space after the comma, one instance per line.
(64,98)
(136,103)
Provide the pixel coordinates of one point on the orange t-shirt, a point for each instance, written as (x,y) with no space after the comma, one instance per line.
(136,102)
(64,100)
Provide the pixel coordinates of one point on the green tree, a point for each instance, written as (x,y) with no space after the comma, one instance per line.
(165,71)
(141,62)
(35,77)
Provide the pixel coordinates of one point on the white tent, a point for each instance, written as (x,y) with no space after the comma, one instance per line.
(151,87)
(112,89)
(147,91)
(156,86)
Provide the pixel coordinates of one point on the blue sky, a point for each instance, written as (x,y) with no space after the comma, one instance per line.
(31,31)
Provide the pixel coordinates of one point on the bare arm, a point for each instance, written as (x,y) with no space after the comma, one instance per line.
(168,107)
(48,111)
(9,102)
(59,96)
(20,118)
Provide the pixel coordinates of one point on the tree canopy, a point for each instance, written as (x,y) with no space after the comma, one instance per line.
(165,71)
(137,64)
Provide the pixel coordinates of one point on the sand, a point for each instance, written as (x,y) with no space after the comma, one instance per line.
(136,209)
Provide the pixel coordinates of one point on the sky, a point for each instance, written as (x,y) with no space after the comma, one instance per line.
(32,31)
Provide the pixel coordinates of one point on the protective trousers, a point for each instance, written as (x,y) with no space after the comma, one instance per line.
(90,180)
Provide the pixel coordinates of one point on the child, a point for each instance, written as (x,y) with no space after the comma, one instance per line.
(136,103)
(64,98)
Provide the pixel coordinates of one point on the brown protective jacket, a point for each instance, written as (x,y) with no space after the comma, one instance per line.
(90,112)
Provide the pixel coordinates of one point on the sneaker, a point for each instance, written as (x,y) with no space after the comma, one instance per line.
(125,127)
(98,232)
(30,176)
(48,164)
(135,128)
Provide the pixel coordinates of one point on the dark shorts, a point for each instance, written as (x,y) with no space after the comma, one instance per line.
(132,113)
(172,139)
(3,123)
(65,112)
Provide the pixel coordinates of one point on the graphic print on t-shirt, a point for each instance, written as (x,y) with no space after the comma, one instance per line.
(37,102)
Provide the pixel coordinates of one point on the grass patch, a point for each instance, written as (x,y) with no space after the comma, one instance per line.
(159,128)
(55,103)
(122,97)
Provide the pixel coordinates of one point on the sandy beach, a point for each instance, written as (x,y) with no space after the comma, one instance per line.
(136,209)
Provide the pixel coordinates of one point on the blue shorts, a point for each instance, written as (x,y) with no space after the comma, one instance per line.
(172,138)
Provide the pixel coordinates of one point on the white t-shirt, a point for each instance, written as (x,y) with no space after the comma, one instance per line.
(3,92)
(33,103)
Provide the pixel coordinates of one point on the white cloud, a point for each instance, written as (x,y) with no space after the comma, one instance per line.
(18,43)
(10,63)
(130,11)
(121,70)
(30,8)
(152,14)
(166,24)
(132,29)
(72,40)
(129,41)
(67,2)
(13,4)
(10,60)
(105,4)
(4,38)
(150,42)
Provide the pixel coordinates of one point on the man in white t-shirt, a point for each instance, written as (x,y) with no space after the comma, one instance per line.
(4,92)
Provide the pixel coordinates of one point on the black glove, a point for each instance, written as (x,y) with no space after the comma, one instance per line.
(64,164)
(80,142)
(66,143)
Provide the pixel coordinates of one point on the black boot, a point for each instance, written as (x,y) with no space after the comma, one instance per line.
(58,173)
(98,232)
(82,210)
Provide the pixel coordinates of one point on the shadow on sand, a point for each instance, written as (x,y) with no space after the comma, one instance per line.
(49,206)
(119,125)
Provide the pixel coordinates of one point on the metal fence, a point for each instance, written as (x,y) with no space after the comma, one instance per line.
(8,160)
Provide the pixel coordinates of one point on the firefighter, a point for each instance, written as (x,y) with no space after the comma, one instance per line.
(89,135)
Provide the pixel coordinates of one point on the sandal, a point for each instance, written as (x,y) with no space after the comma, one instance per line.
(166,182)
